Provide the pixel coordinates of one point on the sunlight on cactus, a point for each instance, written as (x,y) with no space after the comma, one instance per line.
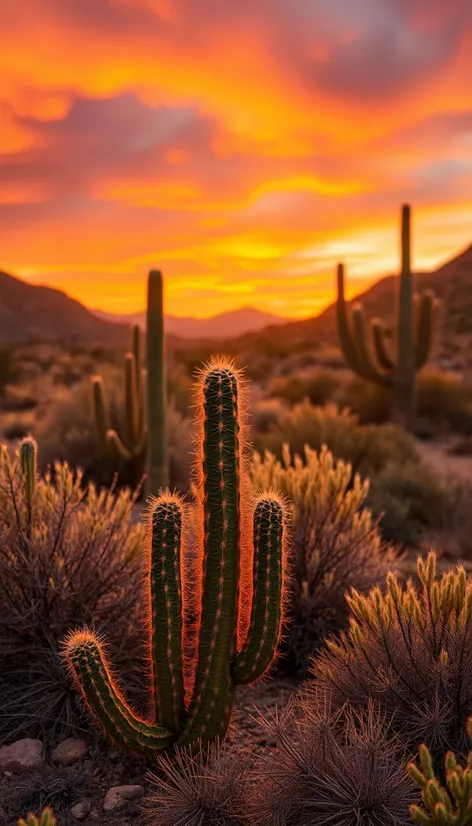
(237,593)
(336,543)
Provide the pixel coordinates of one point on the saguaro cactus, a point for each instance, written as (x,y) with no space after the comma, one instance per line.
(416,315)
(236,592)
(144,445)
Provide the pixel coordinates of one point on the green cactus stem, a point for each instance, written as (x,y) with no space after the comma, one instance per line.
(193,699)
(144,442)
(367,352)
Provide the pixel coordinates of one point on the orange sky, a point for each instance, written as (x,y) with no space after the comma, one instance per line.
(242,147)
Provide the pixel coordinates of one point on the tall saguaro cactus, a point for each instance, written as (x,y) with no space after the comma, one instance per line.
(237,594)
(144,444)
(416,317)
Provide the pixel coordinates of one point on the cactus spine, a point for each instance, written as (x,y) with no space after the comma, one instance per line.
(144,444)
(193,699)
(416,316)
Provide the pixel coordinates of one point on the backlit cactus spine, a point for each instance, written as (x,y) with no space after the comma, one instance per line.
(416,317)
(237,597)
(144,444)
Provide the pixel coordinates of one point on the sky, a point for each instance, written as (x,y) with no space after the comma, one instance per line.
(243,148)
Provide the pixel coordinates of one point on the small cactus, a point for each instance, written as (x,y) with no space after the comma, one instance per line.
(28,464)
(443,807)
(238,594)
(416,322)
(144,445)
(46,818)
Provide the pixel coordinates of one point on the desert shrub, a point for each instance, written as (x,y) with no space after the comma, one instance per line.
(49,786)
(68,557)
(336,545)
(209,788)
(69,433)
(8,368)
(454,529)
(447,401)
(368,448)
(370,402)
(18,399)
(409,650)
(408,499)
(331,769)
(317,387)
(265,414)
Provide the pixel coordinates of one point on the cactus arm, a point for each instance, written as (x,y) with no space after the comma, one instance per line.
(131,401)
(141,411)
(101,414)
(213,689)
(345,336)
(156,395)
(425,329)
(381,350)
(267,600)
(368,369)
(90,670)
(404,375)
(164,540)
(117,448)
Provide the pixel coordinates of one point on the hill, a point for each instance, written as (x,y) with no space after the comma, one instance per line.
(451,282)
(30,313)
(225,325)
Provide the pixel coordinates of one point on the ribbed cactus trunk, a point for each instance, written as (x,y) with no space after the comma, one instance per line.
(157,454)
(193,697)
(404,374)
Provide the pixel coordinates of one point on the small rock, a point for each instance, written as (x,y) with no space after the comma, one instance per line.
(119,795)
(81,810)
(21,757)
(70,751)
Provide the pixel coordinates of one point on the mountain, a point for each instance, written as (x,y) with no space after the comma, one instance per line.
(451,282)
(226,325)
(30,313)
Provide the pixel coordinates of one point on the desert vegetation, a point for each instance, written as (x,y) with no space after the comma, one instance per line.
(239,598)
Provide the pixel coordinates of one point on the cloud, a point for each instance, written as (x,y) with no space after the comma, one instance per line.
(222,139)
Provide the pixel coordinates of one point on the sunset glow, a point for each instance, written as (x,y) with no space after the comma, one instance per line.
(243,148)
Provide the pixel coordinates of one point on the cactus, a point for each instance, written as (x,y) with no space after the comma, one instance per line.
(416,317)
(28,464)
(451,807)
(237,594)
(145,443)
(46,818)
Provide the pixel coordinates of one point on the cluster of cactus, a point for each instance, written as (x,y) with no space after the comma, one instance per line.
(416,322)
(237,633)
(145,443)
(443,807)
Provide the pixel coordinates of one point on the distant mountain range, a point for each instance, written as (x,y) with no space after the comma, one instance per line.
(36,313)
(31,313)
(219,327)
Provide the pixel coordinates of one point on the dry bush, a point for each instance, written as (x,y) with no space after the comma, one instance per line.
(318,387)
(367,447)
(69,433)
(409,500)
(331,768)
(209,788)
(336,545)
(410,651)
(49,786)
(69,560)
(445,400)
(370,402)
